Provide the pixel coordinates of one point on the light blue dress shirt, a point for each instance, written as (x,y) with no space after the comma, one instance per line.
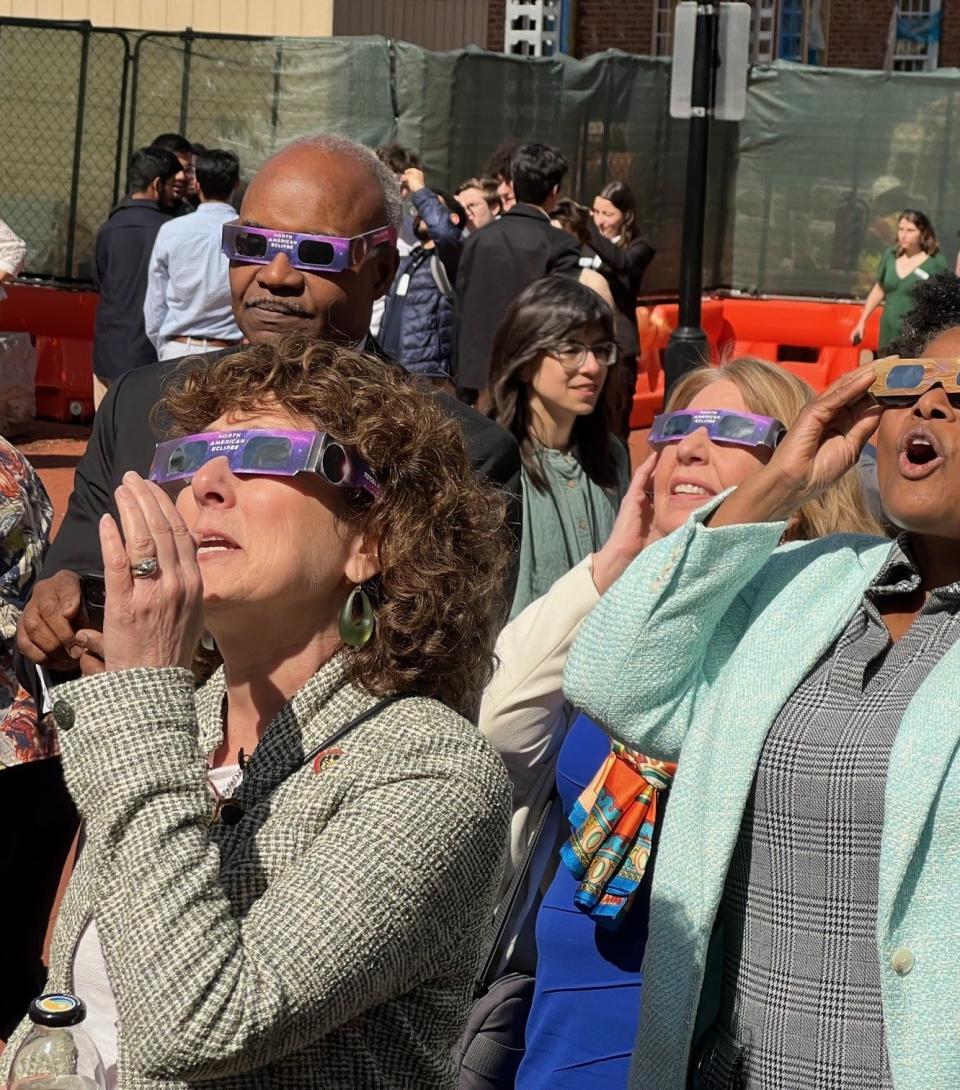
(188,288)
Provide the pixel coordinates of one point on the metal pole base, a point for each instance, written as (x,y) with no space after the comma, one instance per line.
(688,349)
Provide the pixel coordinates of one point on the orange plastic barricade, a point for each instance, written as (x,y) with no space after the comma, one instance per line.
(809,338)
(653,330)
(61,324)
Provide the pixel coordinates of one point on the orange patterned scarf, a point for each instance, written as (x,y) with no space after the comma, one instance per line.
(613,823)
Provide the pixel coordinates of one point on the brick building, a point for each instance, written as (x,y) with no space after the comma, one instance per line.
(908,35)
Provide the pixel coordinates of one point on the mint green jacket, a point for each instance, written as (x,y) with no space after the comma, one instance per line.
(692,654)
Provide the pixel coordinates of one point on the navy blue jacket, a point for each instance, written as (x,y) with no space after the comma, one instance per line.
(417,326)
(124,245)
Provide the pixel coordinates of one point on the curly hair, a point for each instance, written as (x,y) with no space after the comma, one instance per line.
(936,308)
(444,546)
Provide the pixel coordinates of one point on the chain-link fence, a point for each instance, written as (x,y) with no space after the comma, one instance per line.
(61,131)
(803,196)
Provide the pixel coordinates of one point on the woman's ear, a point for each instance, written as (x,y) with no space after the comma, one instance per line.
(363,563)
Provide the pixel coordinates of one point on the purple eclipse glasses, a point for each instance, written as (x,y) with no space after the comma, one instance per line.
(723,426)
(271,453)
(312,253)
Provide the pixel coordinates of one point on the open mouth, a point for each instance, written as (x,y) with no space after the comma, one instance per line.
(919,451)
(920,454)
(216,545)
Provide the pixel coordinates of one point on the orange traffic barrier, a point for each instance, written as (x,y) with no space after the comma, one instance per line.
(809,338)
(61,324)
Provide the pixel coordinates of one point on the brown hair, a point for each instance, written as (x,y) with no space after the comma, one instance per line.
(546,313)
(771,391)
(572,218)
(928,237)
(488,187)
(444,546)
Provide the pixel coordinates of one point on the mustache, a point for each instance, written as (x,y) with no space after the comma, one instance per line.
(278,306)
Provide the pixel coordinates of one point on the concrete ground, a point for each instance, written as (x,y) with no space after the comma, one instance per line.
(54,450)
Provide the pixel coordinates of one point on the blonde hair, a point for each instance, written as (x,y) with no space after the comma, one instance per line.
(769,390)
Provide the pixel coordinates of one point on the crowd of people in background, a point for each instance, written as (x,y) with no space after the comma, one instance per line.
(388,729)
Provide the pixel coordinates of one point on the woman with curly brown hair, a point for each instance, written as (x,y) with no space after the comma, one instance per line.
(288,874)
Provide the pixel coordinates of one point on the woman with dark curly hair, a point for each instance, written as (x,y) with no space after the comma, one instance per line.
(288,874)
(551,360)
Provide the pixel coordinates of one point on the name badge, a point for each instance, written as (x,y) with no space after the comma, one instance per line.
(921,274)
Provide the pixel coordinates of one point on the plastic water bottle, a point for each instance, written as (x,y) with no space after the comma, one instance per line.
(57,1053)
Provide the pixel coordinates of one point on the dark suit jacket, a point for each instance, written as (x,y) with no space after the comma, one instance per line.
(498,262)
(124,439)
(124,245)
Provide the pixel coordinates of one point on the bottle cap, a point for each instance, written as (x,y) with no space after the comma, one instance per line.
(57,1009)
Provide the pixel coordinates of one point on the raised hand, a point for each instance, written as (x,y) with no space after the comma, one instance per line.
(633,530)
(156,620)
(828,436)
(824,442)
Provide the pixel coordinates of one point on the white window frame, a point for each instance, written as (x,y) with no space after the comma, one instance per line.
(663,27)
(906,55)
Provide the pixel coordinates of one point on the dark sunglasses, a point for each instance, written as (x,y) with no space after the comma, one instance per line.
(309,253)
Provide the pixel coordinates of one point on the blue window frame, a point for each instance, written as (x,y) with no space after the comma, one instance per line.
(790,37)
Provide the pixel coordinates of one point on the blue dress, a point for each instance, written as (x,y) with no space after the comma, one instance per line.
(586,1001)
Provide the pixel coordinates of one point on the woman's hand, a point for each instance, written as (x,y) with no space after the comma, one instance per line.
(155,620)
(632,532)
(823,443)
(856,334)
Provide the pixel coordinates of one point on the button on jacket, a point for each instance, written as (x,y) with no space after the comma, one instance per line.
(327,941)
(122,255)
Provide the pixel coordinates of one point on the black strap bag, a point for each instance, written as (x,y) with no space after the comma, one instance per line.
(492,1044)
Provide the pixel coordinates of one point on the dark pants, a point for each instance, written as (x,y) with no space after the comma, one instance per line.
(39,821)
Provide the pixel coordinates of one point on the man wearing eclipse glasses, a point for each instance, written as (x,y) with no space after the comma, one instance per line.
(314,246)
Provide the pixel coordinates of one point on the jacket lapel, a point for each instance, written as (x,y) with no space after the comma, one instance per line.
(326,703)
(923,750)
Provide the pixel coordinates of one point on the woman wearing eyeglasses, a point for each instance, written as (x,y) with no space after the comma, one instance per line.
(551,359)
(720,426)
(287,875)
(803,926)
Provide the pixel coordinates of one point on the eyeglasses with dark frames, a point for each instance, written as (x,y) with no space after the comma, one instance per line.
(572,355)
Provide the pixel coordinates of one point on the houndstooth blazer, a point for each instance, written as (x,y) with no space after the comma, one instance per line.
(331,938)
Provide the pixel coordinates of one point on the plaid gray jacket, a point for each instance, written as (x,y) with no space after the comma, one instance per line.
(328,940)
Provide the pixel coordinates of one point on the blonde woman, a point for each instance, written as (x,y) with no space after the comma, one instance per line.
(591,932)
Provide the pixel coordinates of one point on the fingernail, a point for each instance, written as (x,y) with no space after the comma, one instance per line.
(81,638)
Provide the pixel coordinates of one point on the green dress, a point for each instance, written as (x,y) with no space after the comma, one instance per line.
(898,294)
(561,526)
